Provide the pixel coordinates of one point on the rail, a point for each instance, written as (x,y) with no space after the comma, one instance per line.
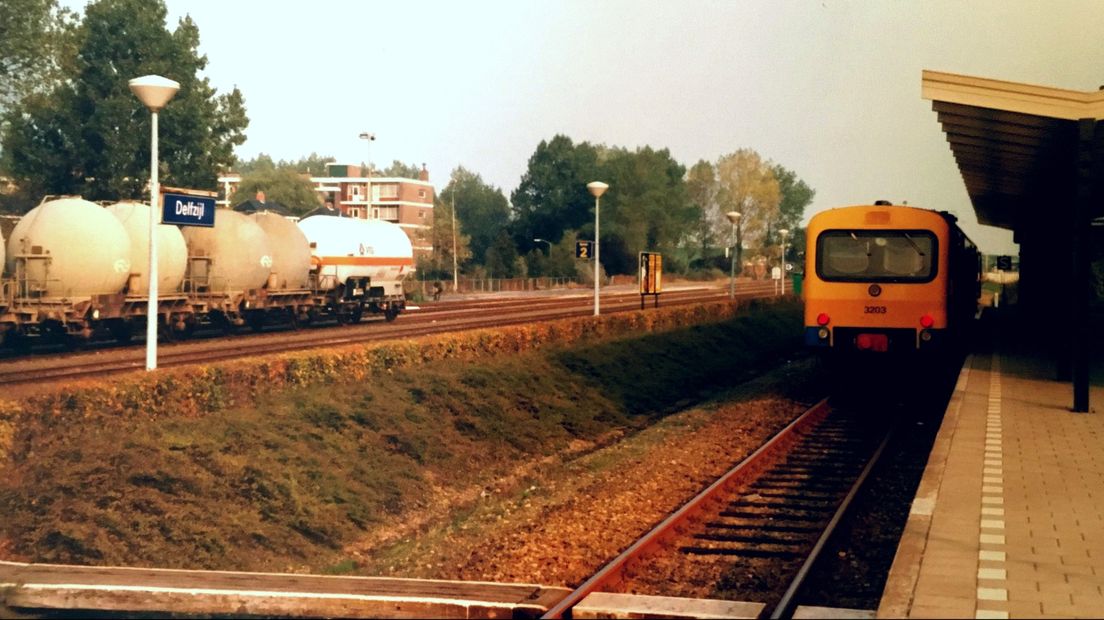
(613,572)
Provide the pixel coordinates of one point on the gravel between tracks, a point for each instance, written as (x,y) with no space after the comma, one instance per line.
(557,523)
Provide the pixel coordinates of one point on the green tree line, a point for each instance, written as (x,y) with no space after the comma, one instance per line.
(653,204)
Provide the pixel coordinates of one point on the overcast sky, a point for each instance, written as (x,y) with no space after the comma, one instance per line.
(827,88)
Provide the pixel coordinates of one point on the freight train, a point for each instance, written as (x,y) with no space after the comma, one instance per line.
(75,271)
(886,282)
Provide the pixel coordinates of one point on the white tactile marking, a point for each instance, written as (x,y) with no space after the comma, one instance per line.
(993,570)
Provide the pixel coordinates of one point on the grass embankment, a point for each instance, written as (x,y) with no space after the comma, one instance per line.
(279,465)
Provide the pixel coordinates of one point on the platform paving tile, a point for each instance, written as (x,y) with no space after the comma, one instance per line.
(1038,471)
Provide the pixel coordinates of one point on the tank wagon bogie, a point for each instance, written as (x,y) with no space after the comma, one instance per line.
(888,280)
(74,270)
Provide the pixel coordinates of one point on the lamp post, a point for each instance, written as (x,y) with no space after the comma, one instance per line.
(455,277)
(734,217)
(783,232)
(370,137)
(545,241)
(597,188)
(154,92)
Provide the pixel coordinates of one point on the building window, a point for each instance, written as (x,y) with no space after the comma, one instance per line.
(389,190)
(421,193)
(421,214)
(354,212)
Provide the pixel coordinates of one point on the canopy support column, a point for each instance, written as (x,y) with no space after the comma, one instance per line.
(1081,291)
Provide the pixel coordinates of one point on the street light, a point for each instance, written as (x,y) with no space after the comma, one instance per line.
(455,274)
(783,232)
(154,92)
(549,245)
(370,137)
(597,188)
(734,217)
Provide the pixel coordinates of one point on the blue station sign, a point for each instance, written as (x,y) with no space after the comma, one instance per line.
(187,210)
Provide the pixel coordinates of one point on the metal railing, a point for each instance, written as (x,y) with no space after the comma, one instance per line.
(490,285)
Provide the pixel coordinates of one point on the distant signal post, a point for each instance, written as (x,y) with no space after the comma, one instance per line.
(651,276)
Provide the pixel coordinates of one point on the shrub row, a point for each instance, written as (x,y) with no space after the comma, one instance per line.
(203,390)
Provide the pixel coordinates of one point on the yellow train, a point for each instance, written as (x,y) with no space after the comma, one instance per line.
(882,280)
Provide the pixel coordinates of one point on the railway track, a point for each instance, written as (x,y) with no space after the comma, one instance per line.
(756,532)
(430,319)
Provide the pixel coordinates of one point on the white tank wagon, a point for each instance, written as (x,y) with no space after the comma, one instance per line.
(62,259)
(72,271)
(172,253)
(232,255)
(360,260)
(291,258)
(69,248)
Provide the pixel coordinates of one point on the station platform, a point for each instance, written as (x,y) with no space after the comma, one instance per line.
(1008,519)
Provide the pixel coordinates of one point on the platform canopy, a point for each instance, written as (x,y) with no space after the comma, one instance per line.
(1016,144)
(1032,159)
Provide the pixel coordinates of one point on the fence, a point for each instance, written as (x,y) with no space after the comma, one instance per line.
(490,285)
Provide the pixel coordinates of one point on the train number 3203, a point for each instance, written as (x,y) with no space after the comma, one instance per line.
(874,309)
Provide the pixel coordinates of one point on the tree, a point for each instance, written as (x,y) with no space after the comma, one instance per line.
(552,196)
(501,258)
(444,236)
(796,196)
(283,185)
(746,184)
(481,210)
(401,170)
(701,187)
(646,208)
(312,165)
(90,135)
(35,37)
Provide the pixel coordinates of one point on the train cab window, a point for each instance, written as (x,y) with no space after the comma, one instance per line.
(876,256)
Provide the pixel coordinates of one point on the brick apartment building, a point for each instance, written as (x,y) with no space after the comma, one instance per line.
(406,202)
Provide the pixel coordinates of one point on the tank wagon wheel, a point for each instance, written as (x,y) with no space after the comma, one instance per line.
(18,342)
(221,322)
(165,332)
(356,315)
(74,342)
(256,321)
(390,314)
(121,330)
(188,329)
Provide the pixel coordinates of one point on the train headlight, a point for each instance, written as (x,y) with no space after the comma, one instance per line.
(822,333)
(823,319)
(925,336)
(927,321)
(96,314)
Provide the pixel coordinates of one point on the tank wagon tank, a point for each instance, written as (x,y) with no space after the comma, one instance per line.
(291,258)
(172,253)
(121,314)
(363,263)
(61,258)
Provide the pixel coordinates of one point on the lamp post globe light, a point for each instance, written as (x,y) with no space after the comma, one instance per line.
(734,217)
(596,188)
(783,232)
(154,92)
